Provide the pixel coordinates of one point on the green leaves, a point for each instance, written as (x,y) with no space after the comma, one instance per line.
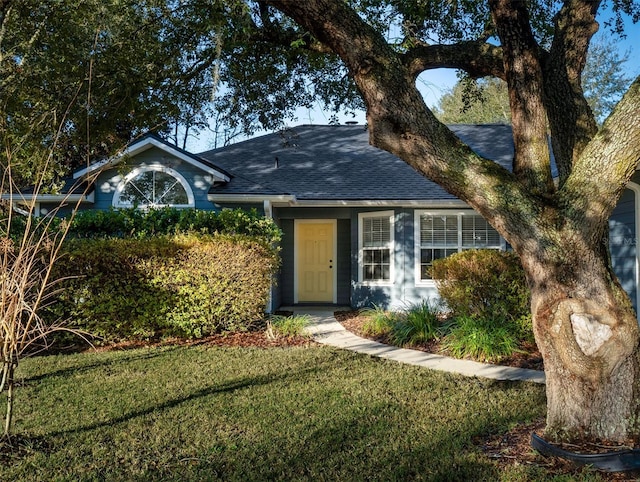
(133,223)
(188,286)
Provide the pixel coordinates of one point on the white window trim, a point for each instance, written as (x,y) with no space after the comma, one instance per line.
(416,239)
(376,214)
(142,169)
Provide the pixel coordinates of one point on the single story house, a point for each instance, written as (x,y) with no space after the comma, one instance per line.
(360,226)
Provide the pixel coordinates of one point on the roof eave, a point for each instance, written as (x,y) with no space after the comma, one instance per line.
(25,198)
(280,200)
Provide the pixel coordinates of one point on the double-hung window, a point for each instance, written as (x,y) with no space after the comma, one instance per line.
(439,235)
(376,247)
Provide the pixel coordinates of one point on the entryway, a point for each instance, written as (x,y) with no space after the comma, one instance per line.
(315,256)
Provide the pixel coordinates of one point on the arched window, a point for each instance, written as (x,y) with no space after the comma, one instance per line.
(153,187)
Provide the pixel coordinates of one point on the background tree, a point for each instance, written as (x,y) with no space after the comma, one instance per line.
(111,69)
(470,101)
(486,100)
(604,79)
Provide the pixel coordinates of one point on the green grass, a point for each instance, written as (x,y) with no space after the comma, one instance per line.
(294,325)
(420,323)
(203,413)
(480,339)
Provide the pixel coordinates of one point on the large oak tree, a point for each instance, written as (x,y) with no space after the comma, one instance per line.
(584,323)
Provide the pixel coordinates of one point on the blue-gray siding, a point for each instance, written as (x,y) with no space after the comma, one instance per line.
(285,218)
(623,244)
(401,293)
(287,269)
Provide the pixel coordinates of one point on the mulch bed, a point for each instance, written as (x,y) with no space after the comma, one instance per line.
(353,321)
(248,339)
(514,448)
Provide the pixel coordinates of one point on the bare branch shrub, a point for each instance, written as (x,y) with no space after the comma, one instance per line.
(29,247)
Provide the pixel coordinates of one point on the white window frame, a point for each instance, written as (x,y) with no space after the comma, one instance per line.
(361,247)
(141,170)
(418,247)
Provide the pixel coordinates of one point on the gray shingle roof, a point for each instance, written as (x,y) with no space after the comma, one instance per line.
(314,162)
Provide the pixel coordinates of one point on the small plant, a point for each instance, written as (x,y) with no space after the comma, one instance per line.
(481,340)
(419,324)
(380,322)
(294,325)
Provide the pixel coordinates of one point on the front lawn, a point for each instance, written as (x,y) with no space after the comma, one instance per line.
(219,413)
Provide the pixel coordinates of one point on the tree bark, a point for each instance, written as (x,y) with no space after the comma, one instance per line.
(587,333)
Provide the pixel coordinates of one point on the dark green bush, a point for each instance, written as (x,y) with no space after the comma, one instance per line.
(133,223)
(183,285)
(487,285)
(420,323)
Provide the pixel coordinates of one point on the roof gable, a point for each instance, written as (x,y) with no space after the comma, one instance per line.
(147,142)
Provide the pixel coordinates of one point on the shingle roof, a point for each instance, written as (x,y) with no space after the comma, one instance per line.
(314,162)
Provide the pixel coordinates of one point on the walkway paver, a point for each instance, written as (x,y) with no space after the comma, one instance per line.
(327,330)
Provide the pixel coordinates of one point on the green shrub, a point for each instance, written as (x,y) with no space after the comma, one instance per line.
(419,324)
(134,223)
(379,322)
(187,285)
(289,325)
(481,340)
(485,284)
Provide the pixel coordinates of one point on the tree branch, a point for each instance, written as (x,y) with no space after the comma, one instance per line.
(532,162)
(273,32)
(605,165)
(478,59)
(570,118)
(400,122)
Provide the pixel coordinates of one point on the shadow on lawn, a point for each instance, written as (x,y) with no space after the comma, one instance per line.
(230,386)
(128,356)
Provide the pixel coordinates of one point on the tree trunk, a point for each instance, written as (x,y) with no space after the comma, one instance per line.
(587,333)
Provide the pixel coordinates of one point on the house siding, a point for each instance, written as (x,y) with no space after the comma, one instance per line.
(285,218)
(343,263)
(623,244)
(402,291)
(287,270)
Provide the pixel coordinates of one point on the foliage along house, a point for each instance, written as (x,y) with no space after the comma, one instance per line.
(360,227)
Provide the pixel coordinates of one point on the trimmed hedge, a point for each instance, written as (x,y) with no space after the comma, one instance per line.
(133,223)
(181,285)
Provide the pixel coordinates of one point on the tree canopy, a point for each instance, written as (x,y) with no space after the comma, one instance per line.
(82,78)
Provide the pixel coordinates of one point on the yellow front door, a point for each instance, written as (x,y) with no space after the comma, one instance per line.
(315,246)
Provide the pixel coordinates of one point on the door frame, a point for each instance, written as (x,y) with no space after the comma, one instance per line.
(334,227)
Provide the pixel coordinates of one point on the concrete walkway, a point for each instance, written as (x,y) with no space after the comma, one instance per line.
(326,330)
